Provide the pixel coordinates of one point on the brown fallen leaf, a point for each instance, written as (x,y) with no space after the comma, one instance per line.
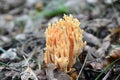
(95,65)
(114,54)
(114,31)
(104,47)
(42,75)
(49,72)
(53,74)
(115,35)
(59,75)
(89,38)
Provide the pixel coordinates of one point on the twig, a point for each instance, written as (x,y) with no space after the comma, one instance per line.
(12,69)
(82,67)
(107,75)
(117,77)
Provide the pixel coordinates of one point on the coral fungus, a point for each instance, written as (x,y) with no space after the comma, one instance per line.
(63,43)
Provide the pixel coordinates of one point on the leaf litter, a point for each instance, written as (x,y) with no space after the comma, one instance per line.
(22,39)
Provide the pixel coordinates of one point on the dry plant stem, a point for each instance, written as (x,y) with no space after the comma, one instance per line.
(107,75)
(82,67)
(34,41)
(117,77)
(29,69)
(25,44)
(5,78)
(31,72)
(12,69)
(30,57)
(32,53)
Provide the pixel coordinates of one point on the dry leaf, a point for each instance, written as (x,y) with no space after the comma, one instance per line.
(114,54)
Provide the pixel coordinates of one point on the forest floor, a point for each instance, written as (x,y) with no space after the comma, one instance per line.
(22,39)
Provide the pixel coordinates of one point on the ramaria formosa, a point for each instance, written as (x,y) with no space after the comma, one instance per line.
(63,43)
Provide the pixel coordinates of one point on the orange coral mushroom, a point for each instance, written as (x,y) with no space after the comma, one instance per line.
(63,42)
